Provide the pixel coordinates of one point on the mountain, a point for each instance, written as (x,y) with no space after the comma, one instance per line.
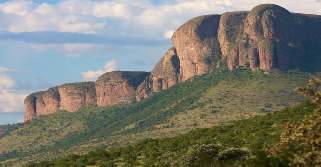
(221,68)
(267,38)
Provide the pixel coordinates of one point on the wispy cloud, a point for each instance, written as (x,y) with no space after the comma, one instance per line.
(137,18)
(65,37)
(94,74)
(10,100)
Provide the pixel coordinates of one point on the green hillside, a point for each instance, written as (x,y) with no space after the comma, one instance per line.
(239,142)
(214,99)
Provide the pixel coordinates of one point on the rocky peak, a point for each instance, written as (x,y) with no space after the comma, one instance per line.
(197,45)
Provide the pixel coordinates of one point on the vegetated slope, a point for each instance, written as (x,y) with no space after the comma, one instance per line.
(216,98)
(239,142)
(3,129)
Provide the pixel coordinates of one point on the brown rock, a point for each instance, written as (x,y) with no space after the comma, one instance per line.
(145,89)
(118,87)
(166,72)
(197,45)
(269,30)
(77,95)
(41,103)
(229,33)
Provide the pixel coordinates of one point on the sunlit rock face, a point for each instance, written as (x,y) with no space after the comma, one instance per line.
(41,103)
(197,45)
(264,38)
(165,74)
(69,97)
(118,87)
(77,95)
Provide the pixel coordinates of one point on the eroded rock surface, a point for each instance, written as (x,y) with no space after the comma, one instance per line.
(165,74)
(197,45)
(41,103)
(77,95)
(118,87)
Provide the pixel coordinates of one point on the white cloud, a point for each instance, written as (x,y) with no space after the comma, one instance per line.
(5,82)
(94,74)
(16,7)
(10,100)
(137,17)
(111,9)
(168,34)
(3,70)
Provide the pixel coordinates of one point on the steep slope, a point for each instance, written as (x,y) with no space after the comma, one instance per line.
(209,100)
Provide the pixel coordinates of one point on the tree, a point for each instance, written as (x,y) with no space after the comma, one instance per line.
(300,143)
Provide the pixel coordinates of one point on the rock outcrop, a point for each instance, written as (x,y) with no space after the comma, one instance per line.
(197,45)
(118,87)
(41,103)
(165,74)
(268,37)
(77,95)
(111,88)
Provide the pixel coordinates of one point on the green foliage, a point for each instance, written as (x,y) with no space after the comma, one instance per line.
(205,101)
(300,143)
(238,143)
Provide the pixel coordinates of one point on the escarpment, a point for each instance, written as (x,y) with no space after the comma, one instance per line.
(266,38)
(118,87)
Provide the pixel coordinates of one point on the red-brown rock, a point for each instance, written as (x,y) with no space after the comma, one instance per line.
(197,45)
(118,87)
(77,95)
(41,103)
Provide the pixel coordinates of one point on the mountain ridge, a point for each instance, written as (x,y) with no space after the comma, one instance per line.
(266,38)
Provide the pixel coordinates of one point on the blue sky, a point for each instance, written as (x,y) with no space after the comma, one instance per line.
(49,42)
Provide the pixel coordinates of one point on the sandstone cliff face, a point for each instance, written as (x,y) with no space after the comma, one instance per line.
(41,103)
(69,97)
(118,87)
(77,95)
(111,88)
(197,45)
(165,74)
(264,38)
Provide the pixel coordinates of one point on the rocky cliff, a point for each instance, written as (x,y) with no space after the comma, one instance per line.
(268,37)
(118,87)
(111,88)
